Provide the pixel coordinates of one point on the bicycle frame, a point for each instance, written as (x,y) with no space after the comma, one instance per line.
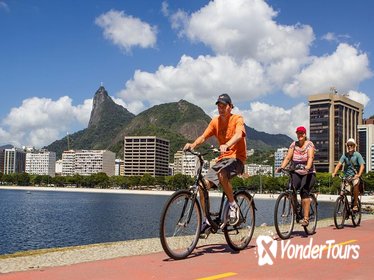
(199,184)
(346,181)
(291,190)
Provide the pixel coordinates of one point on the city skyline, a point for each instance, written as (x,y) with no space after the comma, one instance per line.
(268,55)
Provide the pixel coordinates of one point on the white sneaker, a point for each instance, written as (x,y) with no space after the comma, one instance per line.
(233,214)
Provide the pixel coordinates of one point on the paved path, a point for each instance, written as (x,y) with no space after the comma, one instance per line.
(217,261)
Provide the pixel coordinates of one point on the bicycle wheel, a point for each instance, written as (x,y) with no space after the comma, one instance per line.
(284,216)
(239,235)
(313,216)
(180,225)
(339,212)
(356,216)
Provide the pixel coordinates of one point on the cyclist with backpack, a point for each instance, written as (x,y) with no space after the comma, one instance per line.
(354,166)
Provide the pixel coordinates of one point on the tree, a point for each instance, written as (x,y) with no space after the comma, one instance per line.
(368,179)
(147,180)
(180,181)
(100,179)
(22,179)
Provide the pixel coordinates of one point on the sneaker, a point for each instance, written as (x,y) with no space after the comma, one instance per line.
(233,214)
(355,208)
(204,230)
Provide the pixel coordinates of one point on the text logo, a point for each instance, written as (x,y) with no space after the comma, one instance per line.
(267,250)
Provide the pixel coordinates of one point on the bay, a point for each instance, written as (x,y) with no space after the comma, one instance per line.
(51,219)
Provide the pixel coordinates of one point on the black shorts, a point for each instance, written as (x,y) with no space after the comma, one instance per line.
(304,183)
(232,167)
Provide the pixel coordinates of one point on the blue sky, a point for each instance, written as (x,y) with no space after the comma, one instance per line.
(268,55)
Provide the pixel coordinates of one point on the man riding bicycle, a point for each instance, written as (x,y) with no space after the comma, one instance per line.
(354,166)
(230,132)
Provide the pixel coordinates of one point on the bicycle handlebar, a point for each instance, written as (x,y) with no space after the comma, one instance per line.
(198,154)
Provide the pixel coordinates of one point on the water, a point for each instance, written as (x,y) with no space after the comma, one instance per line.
(44,219)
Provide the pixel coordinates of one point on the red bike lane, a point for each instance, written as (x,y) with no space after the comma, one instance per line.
(330,253)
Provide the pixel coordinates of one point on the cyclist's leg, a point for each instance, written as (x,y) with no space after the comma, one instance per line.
(356,191)
(229,168)
(307,183)
(208,185)
(226,185)
(296,182)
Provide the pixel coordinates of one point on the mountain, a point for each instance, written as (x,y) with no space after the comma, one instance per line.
(179,122)
(106,121)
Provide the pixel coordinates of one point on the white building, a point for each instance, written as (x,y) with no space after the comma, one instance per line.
(366,144)
(58,168)
(68,163)
(119,167)
(186,164)
(87,162)
(41,162)
(258,169)
(279,155)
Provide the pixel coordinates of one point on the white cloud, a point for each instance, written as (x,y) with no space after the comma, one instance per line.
(344,69)
(250,60)
(198,81)
(126,31)
(40,121)
(246,30)
(332,37)
(165,8)
(274,120)
(359,97)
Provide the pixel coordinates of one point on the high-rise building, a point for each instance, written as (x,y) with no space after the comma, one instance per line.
(366,145)
(119,166)
(333,120)
(41,162)
(146,154)
(2,160)
(279,155)
(14,160)
(87,162)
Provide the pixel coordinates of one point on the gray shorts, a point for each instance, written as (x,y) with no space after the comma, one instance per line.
(232,167)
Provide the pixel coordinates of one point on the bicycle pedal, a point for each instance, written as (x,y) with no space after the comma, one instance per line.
(205,234)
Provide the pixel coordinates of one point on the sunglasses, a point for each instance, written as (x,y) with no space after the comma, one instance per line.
(350,145)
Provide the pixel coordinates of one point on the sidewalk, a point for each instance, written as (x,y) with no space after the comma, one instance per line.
(352,258)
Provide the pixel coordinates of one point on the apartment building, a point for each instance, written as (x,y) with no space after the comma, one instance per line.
(366,145)
(119,167)
(258,169)
(12,160)
(41,162)
(279,155)
(186,164)
(87,162)
(334,119)
(146,154)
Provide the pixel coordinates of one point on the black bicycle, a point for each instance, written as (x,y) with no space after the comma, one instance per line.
(181,218)
(344,205)
(288,209)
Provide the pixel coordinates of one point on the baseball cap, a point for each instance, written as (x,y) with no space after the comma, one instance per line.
(301,129)
(224,98)
(351,141)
